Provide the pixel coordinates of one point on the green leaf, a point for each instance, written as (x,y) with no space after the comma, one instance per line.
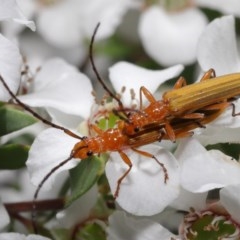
(13,156)
(83,177)
(60,234)
(12,120)
(116,47)
(23,139)
(92,231)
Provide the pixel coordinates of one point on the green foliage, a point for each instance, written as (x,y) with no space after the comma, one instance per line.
(83,177)
(91,231)
(60,234)
(13,156)
(12,120)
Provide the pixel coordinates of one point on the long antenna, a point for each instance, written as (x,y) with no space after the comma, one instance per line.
(105,87)
(24,106)
(33,214)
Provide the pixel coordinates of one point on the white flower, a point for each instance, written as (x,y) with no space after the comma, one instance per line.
(18,236)
(136,228)
(57,87)
(53,146)
(10,11)
(37,51)
(133,77)
(71,215)
(224,213)
(229,198)
(229,7)
(143,191)
(10,58)
(10,63)
(203,170)
(217,49)
(80,18)
(171,38)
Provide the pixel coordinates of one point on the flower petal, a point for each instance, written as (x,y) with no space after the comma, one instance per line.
(10,63)
(71,216)
(122,226)
(9,10)
(171,38)
(36,237)
(51,147)
(217,47)
(226,119)
(145,182)
(229,198)
(18,236)
(63,31)
(59,85)
(214,135)
(203,170)
(133,77)
(227,7)
(187,200)
(109,13)
(37,51)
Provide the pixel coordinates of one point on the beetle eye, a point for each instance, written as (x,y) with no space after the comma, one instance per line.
(136,129)
(89,153)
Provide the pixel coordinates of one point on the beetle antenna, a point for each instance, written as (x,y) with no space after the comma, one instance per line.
(105,87)
(24,106)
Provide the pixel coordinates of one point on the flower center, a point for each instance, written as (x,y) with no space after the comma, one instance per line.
(209,225)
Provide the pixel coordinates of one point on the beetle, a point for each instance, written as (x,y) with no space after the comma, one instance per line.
(183,101)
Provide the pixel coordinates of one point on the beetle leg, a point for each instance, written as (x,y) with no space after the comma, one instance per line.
(181,82)
(127,160)
(149,155)
(208,75)
(148,96)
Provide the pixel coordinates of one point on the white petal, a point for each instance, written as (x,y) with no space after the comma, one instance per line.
(51,147)
(145,182)
(217,47)
(59,85)
(9,10)
(187,199)
(227,7)
(214,135)
(63,31)
(226,119)
(133,77)
(71,215)
(171,38)
(67,120)
(229,198)
(37,51)
(109,13)
(122,226)
(36,237)
(10,63)
(203,170)
(18,236)
(4,220)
